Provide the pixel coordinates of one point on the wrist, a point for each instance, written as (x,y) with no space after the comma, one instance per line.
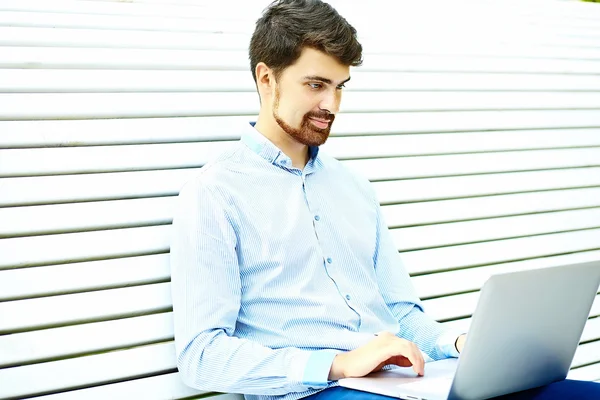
(337,372)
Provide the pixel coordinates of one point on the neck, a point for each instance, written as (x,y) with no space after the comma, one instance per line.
(270,129)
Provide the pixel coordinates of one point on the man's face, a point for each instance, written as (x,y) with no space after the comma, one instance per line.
(308,95)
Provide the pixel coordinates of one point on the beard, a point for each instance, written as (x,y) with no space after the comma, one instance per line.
(308,134)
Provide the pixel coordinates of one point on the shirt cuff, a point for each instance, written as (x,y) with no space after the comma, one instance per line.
(446,343)
(316,372)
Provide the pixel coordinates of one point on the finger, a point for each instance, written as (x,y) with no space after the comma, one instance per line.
(400,361)
(416,358)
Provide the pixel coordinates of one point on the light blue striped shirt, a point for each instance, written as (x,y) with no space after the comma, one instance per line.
(275,270)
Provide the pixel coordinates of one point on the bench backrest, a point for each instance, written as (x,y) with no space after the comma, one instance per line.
(482,142)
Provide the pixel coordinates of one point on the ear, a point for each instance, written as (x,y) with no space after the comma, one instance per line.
(265,80)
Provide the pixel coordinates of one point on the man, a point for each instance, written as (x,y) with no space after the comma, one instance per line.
(284,274)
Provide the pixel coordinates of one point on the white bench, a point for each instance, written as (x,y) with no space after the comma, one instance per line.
(106,109)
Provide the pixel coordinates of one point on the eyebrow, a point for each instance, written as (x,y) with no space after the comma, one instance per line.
(324,80)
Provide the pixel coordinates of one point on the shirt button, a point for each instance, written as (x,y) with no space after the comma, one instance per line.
(348,297)
(329,260)
(317,218)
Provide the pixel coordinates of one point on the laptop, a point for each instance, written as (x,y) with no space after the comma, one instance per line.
(524,334)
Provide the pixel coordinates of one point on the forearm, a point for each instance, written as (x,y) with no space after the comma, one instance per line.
(432,337)
(213,361)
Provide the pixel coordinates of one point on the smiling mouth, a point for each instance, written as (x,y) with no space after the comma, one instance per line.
(319,123)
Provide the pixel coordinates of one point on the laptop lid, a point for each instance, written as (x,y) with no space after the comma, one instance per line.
(525,330)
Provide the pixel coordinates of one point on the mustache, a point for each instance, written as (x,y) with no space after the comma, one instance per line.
(324,115)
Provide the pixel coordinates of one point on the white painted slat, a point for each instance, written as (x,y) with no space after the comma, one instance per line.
(590,332)
(70,247)
(87,246)
(89,38)
(76,372)
(124,185)
(45,312)
(564,10)
(110,22)
(27,162)
(167,386)
(461,306)
(451,307)
(100,58)
(69,341)
(69,188)
(485,124)
(518,42)
(22,283)
(19,221)
(448,234)
(95,7)
(30,162)
(19,106)
(60,218)
(447,143)
(586,354)
(445,165)
(55,81)
(470,255)
(470,279)
(465,186)
(587,373)
(481,207)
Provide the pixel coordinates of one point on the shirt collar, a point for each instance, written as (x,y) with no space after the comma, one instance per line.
(262,146)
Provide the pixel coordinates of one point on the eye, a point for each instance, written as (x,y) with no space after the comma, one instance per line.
(315,85)
(340,87)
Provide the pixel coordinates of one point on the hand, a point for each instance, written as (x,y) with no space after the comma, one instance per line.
(460,342)
(385,349)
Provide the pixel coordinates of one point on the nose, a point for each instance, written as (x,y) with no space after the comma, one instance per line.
(331,101)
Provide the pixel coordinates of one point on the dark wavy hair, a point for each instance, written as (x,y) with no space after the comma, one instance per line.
(287,26)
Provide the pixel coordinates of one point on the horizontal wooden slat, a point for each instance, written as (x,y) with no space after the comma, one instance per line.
(463,305)
(18,221)
(21,315)
(82,371)
(85,338)
(19,106)
(446,165)
(161,130)
(586,354)
(432,212)
(100,58)
(587,373)
(94,159)
(181,8)
(73,81)
(61,218)
(168,386)
(69,247)
(453,233)
(590,332)
(123,185)
(69,341)
(94,7)
(470,255)
(22,283)
(465,186)
(31,162)
(519,41)
(471,279)
(80,20)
